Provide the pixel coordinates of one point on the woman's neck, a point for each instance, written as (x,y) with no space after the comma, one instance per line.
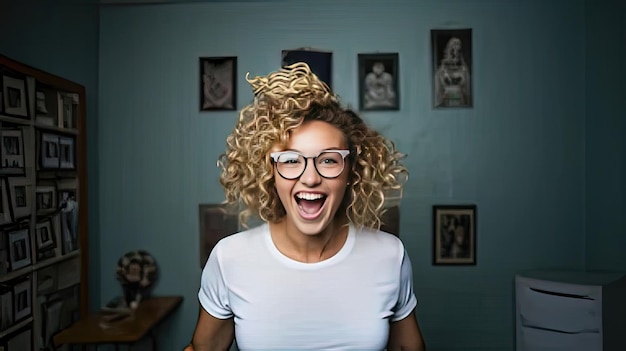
(308,248)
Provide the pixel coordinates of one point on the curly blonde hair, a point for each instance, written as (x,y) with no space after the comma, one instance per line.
(283,101)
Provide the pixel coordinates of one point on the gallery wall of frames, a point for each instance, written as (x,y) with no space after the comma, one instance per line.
(43,229)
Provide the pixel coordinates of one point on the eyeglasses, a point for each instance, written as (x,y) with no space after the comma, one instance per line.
(328,164)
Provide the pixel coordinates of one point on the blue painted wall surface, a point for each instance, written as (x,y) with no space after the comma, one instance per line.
(62,38)
(605,130)
(518,153)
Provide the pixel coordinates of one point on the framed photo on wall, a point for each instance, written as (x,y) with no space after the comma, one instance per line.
(379,82)
(218,83)
(22,298)
(67,152)
(20,195)
(454,234)
(452,67)
(19,249)
(15,99)
(49,154)
(320,62)
(11,151)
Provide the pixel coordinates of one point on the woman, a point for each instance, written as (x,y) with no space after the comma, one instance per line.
(318,274)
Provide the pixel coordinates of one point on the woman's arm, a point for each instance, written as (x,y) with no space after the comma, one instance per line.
(405,334)
(212,334)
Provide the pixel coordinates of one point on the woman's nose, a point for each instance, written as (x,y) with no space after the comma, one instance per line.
(310,177)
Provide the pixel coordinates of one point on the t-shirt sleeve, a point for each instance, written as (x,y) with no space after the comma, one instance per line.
(406,298)
(213,294)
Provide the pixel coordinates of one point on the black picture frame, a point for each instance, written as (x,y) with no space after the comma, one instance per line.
(11,151)
(320,62)
(454,234)
(19,249)
(379,86)
(218,83)
(15,99)
(451,51)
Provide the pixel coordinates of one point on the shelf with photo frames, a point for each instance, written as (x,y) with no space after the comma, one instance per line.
(43,230)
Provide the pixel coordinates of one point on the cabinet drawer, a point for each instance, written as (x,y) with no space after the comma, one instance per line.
(554,309)
(530,339)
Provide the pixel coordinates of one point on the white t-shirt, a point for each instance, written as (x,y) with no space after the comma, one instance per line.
(342,303)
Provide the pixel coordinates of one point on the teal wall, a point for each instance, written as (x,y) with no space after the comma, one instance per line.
(62,38)
(605,130)
(518,154)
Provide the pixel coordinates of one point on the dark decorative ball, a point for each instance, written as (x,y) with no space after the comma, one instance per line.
(137,272)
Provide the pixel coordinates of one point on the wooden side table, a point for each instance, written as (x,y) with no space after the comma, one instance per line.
(127,331)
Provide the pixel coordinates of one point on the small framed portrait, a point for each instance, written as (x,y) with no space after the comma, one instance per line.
(454,234)
(68,103)
(67,151)
(19,249)
(11,151)
(452,67)
(14,97)
(49,153)
(22,299)
(379,82)
(44,236)
(218,83)
(320,62)
(20,195)
(45,199)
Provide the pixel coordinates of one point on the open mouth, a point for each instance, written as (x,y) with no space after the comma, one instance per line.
(310,203)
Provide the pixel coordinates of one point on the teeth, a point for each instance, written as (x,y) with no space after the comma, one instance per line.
(307,196)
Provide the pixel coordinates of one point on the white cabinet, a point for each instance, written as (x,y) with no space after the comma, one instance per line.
(570,311)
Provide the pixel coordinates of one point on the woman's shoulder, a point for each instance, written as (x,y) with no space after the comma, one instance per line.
(379,239)
(242,240)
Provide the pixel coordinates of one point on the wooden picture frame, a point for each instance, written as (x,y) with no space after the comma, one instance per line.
(21,197)
(454,234)
(451,51)
(67,155)
(218,83)
(49,151)
(19,249)
(320,62)
(22,299)
(15,98)
(11,151)
(379,87)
